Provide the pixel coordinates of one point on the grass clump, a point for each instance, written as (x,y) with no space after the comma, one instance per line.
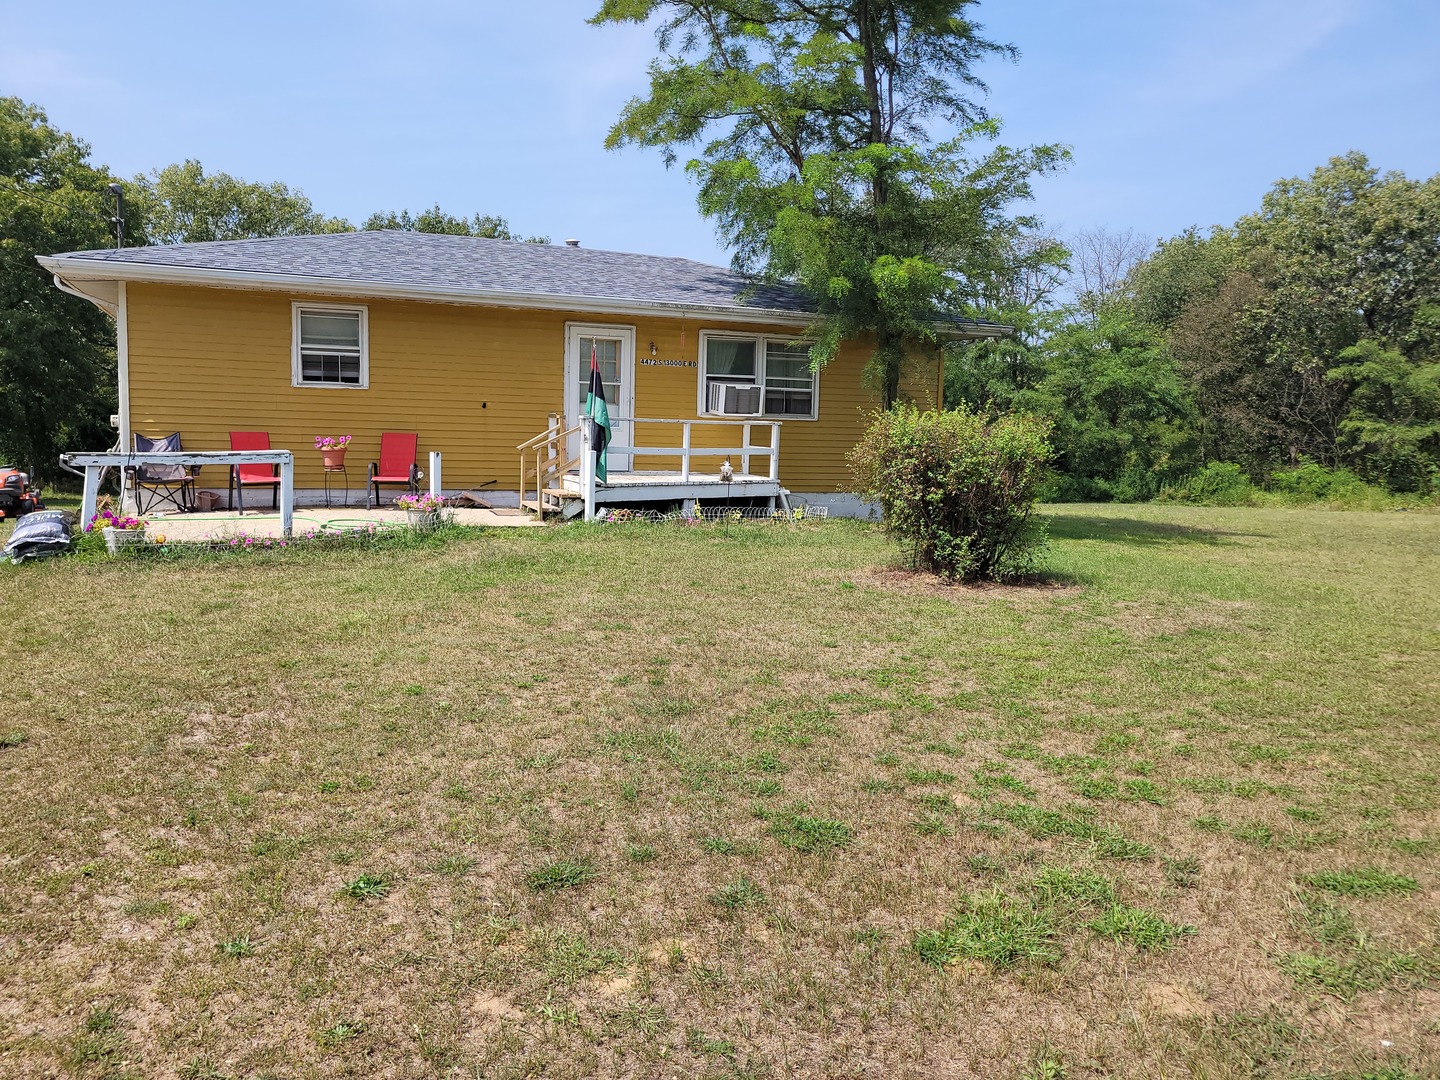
(366,887)
(992,927)
(1063,884)
(1364,881)
(561,874)
(742,892)
(1364,969)
(802,832)
(237,947)
(1143,929)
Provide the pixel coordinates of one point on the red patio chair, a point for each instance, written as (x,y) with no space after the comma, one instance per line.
(396,466)
(243,476)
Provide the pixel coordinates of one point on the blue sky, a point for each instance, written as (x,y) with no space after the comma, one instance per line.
(1177,113)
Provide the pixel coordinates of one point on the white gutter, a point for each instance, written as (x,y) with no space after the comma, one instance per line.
(65,286)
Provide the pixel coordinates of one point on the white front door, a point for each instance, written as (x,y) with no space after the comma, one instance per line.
(614,350)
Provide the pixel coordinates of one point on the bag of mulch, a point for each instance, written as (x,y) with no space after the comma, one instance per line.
(44,532)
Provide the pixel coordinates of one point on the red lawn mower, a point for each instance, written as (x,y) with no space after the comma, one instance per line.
(17,497)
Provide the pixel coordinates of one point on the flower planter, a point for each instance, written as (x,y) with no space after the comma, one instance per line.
(116,540)
(333,459)
(423,520)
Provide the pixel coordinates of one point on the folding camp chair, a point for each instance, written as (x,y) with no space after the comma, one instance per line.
(396,466)
(243,476)
(173,484)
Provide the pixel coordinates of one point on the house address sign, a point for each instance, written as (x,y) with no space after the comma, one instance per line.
(650,361)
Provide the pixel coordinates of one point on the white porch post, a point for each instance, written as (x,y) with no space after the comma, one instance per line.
(91,493)
(745,449)
(774,451)
(436,487)
(685,454)
(587,469)
(287,495)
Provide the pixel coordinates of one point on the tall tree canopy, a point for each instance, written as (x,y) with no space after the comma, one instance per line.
(57,356)
(436,220)
(183,204)
(835,152)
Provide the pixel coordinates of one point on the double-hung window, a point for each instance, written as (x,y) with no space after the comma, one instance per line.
(755,375)
(331,345)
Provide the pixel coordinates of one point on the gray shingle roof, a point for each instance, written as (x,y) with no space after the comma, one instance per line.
(469,265)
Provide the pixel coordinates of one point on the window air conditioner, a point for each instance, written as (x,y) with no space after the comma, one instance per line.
(728,399)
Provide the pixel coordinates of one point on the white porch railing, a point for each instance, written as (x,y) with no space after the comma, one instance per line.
(686,451)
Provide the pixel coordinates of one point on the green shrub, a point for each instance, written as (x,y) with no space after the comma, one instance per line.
(957,489)
(1220,483)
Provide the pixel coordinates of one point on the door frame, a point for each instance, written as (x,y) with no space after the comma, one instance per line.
(621,429)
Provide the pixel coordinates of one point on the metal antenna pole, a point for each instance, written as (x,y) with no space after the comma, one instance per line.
(119,193)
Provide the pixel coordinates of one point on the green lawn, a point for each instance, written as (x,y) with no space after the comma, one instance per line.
(730,802)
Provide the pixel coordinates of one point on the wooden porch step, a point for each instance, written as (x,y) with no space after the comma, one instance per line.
(562,493)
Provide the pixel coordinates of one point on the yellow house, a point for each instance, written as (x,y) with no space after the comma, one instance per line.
(481,347)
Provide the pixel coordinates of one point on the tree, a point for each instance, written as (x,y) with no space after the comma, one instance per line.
(823,166)
(1101,260)
(57,356)
(183,205)
(436,220)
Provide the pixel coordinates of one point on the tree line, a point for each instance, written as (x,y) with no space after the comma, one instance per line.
(57,351)
(1305,334)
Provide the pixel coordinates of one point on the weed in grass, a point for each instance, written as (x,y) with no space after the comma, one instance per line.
(201,1068)
(802,832)
(1324,920)
(886,758)
(992,927)
(12,740)
(767,761)
(329,787)
(1251,753)
(717,845)
(871,937)
(1363,969)
(937,802)
(1182,873)
(561,874)
(764,787)
(1254,832)
(455,865)
(928,776)
(458,792)
(994,776)
(1416,845)
(184,922)
(1143,929)
(742,892)
(237,946)
(629,792)
(1116,743)
(1114,845)
(340,1033)
(1300,813)
(1363,881)
(1210,823)
(701,1043)
(99,1042)
(1096,787)
(567,958)
(881,787)
(641,853)
(1144,791)
(986,865)
(945,748)
(1063,884)
(146,909)
(366,887)
(1045,1064)
(932,825)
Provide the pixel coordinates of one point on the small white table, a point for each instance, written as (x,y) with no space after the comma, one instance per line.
(94,463)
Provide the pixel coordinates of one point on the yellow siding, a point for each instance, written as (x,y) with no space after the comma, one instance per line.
(472,381)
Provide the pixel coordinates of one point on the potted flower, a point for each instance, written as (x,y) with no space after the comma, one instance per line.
(332,449)
(422,511)
(120,530)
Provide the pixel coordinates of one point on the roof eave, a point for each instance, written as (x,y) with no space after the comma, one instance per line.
(94,270)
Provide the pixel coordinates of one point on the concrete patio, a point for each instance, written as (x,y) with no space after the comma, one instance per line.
(224,524)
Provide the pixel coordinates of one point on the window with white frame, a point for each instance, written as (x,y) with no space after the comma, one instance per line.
(331,345)
(755,375)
